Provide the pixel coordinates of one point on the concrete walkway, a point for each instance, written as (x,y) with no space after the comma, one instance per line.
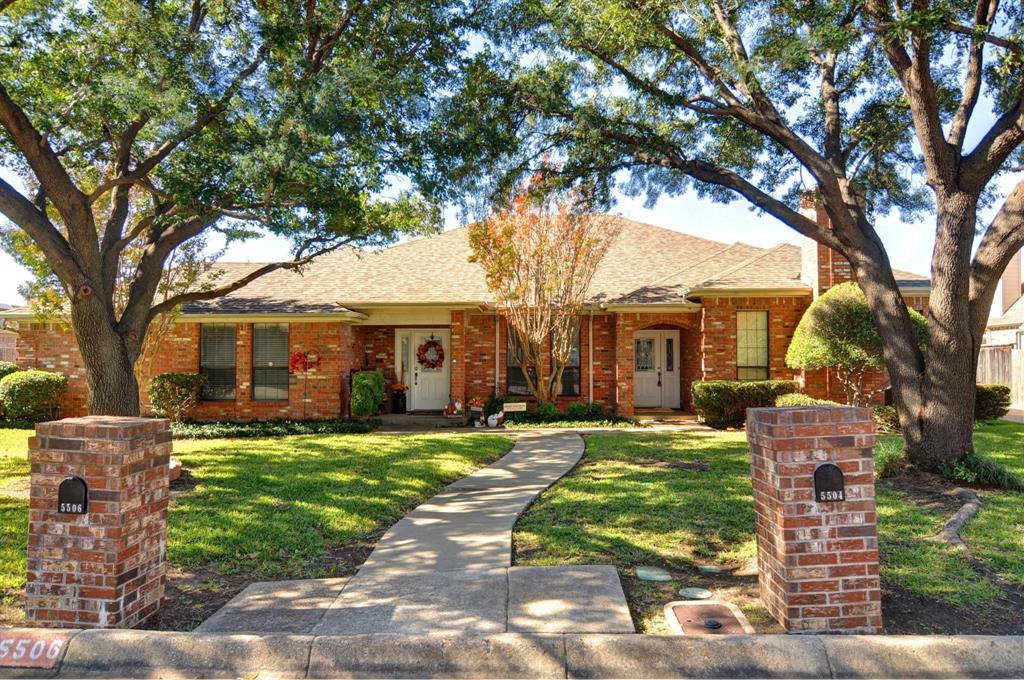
(446,568)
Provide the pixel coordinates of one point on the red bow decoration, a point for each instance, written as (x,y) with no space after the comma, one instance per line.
(303,361)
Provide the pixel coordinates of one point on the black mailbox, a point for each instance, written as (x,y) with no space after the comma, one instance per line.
(73,496)
(829,486)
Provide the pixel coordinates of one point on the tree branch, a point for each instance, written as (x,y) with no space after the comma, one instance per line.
(984,12)
(1002,240)
(995,147)
(34,222)
(299,260)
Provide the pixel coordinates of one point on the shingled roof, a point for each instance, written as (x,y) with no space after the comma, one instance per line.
(645,265)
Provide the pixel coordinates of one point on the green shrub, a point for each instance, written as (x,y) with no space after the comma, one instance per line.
(724,403)
(367,392)
(975,469)
(8,367)
(889,458)
(886,419)
(991,402)
(580,410)
(173,394)
(546,411)
(799,399)
(270,428)
(32,395)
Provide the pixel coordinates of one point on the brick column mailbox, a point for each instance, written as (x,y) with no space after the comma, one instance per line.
(814,493)
(96,559)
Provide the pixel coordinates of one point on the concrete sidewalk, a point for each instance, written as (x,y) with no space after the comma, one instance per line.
(446,569)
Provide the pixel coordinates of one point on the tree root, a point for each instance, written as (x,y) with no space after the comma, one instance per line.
(950,532)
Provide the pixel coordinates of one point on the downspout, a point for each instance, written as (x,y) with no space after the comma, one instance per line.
(590,357)
(497,350)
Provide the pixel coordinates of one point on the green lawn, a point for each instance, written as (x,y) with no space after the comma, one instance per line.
(684,499)
(250,509)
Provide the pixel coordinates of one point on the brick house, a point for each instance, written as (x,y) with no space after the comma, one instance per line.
(665,309)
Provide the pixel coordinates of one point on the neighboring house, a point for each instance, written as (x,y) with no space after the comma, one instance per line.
(8,339)
(1002,353)
(665,309)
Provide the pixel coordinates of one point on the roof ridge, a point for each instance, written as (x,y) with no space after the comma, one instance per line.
(742,264)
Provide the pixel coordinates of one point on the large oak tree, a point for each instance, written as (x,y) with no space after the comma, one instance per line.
(869,102)
(139,127)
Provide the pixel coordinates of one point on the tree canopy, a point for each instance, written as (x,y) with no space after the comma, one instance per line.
(139,128)
(837,331)
(878,106)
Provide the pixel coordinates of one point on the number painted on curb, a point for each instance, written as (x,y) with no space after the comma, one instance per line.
(27,648)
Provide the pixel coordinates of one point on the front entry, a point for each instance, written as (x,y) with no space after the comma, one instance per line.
(424,362)
(656,369)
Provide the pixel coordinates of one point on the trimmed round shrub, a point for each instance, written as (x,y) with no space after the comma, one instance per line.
(32,395)
(8,367)
(991,402)
(886,419)
(367,393)
(173,394)
(724,403)
(799,399)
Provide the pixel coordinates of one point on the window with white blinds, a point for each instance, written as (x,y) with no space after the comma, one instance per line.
(270,362)
(752,345)
(217,360)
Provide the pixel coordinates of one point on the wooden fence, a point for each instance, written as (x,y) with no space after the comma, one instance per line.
(1003,366)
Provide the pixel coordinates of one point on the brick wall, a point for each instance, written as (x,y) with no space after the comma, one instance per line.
(52,347)
(718,333)
(817,561)
(316,394)
(105,567)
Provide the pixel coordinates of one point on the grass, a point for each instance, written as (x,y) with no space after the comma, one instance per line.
(641,499)
(271,508)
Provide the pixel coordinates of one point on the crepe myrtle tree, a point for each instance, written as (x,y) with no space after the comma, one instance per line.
(539,251)
(915,107)
(138,128)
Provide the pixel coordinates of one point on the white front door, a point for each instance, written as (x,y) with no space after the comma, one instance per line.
(430,385)
(656,369)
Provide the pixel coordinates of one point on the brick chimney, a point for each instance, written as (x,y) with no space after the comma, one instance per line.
(1011,283)
(820,266)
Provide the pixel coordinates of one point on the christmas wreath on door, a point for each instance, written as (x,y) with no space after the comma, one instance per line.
(430,354)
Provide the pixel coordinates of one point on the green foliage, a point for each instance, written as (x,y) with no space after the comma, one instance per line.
(546,410)
(887,420)
(580,410)
(799,399)
(367,392)
(173,394)
(32,395)
(838,331)
(724,403)
(493,405)
(991,402)
(8,367)
(975,469)
(889,457)
(269,428)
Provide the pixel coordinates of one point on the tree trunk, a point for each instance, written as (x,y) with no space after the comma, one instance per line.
(947,414)
(109,359)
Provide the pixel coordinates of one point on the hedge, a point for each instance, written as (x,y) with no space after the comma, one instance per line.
(991,402)
(32,395)
(724,403)
(173,394)
(800,399)
(270,428)
(7,367)
(367,393)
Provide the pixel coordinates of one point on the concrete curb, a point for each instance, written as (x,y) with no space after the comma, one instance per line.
(143,654)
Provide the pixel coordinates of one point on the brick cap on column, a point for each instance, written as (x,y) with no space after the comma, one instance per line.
(103,427)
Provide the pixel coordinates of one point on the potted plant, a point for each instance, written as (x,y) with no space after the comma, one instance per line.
(398,400)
